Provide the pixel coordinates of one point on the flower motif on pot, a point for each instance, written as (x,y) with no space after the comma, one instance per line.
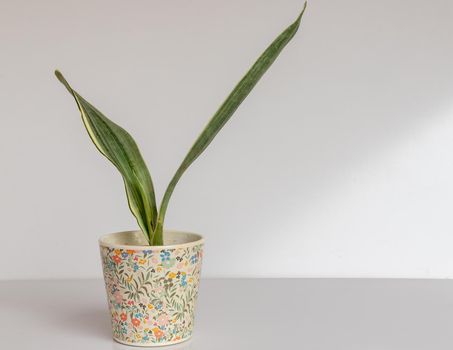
(152,293)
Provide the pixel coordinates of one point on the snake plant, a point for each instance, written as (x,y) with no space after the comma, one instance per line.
(119,147)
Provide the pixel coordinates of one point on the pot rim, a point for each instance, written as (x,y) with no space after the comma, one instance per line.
(200,240)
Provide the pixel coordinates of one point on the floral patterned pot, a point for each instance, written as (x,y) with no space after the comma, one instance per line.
(151,290)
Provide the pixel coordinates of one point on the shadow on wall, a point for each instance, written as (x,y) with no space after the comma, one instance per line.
(359,79)
(368,75)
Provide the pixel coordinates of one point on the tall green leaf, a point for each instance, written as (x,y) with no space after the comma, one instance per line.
(224,113)
(119,147)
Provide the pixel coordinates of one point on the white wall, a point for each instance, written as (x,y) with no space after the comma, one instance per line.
(340,163)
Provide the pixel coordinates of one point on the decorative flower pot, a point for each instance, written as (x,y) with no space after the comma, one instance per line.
(151,290)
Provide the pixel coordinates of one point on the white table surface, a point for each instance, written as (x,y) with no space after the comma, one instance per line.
(311,314)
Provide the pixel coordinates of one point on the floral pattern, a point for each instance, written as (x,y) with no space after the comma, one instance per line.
(152,292)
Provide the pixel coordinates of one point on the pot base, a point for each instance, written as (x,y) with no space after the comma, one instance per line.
(151,345)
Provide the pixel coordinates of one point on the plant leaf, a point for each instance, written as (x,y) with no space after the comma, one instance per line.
(224,113)
(119,147)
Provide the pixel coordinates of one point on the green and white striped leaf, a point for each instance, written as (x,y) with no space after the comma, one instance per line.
(119,147)
(224,113)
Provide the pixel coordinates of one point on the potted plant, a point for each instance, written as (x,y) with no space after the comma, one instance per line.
(152,275)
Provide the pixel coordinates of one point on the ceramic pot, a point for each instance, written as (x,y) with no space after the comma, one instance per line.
(151,290)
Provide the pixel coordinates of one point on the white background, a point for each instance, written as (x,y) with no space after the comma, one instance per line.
(340,162)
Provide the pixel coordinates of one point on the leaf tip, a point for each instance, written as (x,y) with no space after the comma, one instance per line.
(62,80)
(301,13)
